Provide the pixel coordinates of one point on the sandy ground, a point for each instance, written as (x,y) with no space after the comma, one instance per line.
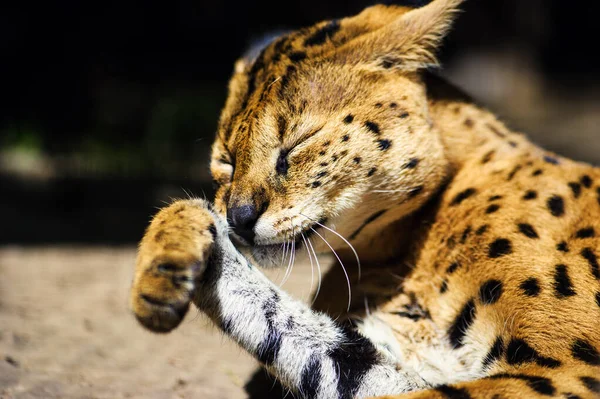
(66,332)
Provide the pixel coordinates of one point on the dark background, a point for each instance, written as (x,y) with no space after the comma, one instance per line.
(109,109)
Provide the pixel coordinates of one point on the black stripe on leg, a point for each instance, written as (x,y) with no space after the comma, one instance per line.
(591,383)
(310,378)
(268,349)
(541,385)
(353,357)
(453,393)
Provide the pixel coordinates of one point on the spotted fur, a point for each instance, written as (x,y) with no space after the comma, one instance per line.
(479,250)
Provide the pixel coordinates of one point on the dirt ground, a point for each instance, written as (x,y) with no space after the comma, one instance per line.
(66,332)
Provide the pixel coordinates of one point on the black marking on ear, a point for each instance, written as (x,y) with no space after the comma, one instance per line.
(562,246)
(592,259)
(310,377)
(373,127)
(490,292)
(530,195)
(541,385)
(459,328)
(384,145)
(551,160)
(354,356)
(500,247)
(492,209)
(591,383)
(297,56)
(463,195)
(369,220)
(213,231)
(586,181)
(584,351)
(494,354)
(449,392)
(587,232)
(348,119)
(519,352)
(556,205)
(528,230)
(576,188)
(531,287)
(322,34)
(563,287)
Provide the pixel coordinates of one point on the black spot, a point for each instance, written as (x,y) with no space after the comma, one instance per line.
(354,356)
(563,287)
(480,231)
(490,292)
(513,172)
(384,145)
(345,137)
(452,268)
(463,195)
(213,231)
(530,195)
(321,174)
(587,232)
(537,172)
(519,352)
(465,235)
(310,377)
(348,119)
(541,385)
(591,383)
(369,220)
(393,105)
(297,56)
(282,165)
(378,105)
(499,248)
(528,230)
(469,122)
(404,115)
(492,208)
(372,172)
(494,354)
(451,243)
(562,246)
(373,127)
(531,287)
(321,35)
(495,198)
(513,144)
(598,298)
(324,164)
(584,351)
(459,328)
(586,181)
(487,157)
(316,184)
(322,153)
(552,160)
(590,256)
(556,205)
(412,163)
(496,131)
(576,188)
(444,286)
(449,392)
(413,192)
(357,160)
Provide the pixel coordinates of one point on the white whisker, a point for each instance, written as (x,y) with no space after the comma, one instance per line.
(346,241)
(341,263)
(318,272)
(312,268)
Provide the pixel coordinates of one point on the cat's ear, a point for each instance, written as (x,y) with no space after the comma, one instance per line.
(256,46)
(407,40)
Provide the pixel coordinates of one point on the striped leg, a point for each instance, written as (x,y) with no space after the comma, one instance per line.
(311,354)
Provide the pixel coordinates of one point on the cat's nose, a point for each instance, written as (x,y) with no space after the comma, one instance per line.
(243,218)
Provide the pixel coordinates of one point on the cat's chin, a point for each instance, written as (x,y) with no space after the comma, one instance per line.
(275,255)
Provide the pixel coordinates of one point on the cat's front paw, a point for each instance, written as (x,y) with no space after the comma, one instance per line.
(171,258)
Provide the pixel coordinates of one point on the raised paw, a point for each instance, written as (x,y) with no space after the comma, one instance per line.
(171,257)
